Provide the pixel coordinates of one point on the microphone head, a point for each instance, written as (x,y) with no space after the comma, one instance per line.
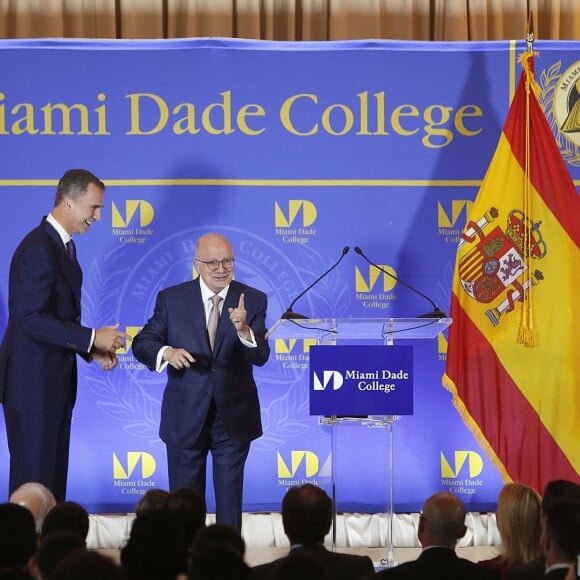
(436,313)
(345,250)
(358,250)
(291,315)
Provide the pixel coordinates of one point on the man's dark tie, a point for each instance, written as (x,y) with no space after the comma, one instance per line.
(72,251)
(214,316)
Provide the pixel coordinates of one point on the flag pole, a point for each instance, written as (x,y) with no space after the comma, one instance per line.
(526,333)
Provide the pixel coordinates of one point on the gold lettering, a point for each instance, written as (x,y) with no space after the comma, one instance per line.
(285,115)
(162,111)
(226,115)
(249,111)
(467,111)
(403,111)
(187,123)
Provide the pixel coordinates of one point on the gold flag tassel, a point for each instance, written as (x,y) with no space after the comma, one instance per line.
(526,333)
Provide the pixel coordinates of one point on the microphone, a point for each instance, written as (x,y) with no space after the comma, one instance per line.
(290,314)
(437,312)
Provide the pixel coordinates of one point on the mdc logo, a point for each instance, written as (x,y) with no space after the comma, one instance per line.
(132,332)
(460,459)
(363,284)
(283,346)
(457,207)
(132,207)
(295,206)
(329,378)
(297,458)
(147,461)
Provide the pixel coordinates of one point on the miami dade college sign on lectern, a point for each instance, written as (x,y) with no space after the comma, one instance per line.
(361,380)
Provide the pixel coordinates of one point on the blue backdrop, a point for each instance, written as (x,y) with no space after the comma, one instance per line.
(293,150)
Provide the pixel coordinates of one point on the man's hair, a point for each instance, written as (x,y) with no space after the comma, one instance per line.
(219,534)
(67,515)
(563,527)
(157,546)
(443,518)
(306,514)
(17,535)
(189,507)
(74,184)
(54,547)
(88,565)
(559,489)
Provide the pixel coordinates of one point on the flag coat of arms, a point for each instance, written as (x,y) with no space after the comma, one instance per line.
(513,358)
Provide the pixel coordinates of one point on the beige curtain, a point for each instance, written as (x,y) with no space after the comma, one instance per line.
(291,19)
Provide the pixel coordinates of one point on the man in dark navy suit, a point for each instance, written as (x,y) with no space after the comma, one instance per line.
(307,517)
(561,538)
(209,333)
(38,367)
(441,525)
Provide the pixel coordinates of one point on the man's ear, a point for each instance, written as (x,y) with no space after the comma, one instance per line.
(33,568)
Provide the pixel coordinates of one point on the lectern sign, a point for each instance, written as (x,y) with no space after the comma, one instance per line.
(361,380)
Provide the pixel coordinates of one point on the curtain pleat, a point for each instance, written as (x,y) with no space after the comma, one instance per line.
(447,20)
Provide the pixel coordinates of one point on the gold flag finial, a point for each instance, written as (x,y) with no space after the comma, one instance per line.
(530,33)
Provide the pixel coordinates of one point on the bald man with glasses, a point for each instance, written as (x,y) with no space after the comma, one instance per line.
(208,334)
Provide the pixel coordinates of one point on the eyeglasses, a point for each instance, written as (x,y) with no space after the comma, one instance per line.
(227,263)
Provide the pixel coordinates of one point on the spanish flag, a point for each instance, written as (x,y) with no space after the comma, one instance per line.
(513,358)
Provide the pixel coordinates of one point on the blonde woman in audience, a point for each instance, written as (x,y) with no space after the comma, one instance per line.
(518,519)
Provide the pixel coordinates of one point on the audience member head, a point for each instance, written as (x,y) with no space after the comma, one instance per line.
(189,505)
(154,499)
(157,547)
(306,514)
(37,498)
(302,564)
(67,515)
(559,489)
(17,536)
(217,562)
(87,565)
(442,521)
(518,521)
(219,534)
(52,549)
(561,535)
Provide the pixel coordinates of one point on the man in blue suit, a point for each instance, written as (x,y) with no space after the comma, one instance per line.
(441,525)
(38,366)
(210,403)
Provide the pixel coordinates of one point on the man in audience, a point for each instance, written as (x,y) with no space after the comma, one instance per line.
(37,498)
(67,515)
(51,550)
(441,525)
(307,517)
(154,499)
(157,547)
(88,565)
(188,505)
(555,491)
(17,541)
(561,538)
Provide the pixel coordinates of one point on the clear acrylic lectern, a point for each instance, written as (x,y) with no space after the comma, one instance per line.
(328,331)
